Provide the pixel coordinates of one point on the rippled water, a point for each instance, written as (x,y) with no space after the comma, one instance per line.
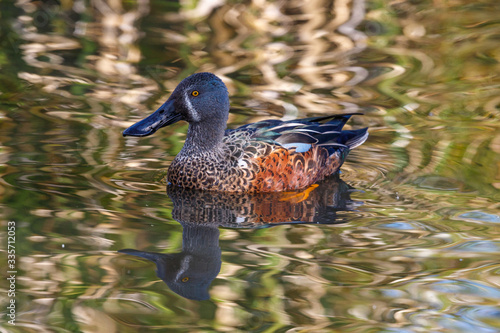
(407,240)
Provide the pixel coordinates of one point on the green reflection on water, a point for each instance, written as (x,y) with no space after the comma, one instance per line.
(419,253)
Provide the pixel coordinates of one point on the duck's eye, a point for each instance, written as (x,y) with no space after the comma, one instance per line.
(185,279)
(195,93)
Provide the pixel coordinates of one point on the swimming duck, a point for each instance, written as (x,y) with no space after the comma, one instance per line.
(266,156)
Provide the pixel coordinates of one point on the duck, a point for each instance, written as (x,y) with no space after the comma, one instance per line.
(266,156)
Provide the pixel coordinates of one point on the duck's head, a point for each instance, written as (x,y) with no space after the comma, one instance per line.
(199,98)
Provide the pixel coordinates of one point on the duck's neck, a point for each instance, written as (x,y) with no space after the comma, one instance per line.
(205,137)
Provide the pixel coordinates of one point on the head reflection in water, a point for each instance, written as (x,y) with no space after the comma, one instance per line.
(190,272)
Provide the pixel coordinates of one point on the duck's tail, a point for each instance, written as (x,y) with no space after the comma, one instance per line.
(354,138)
(302,134)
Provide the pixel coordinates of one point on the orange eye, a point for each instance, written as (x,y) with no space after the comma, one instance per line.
(195,93)
(186,279)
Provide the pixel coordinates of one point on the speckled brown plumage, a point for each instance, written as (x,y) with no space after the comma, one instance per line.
(249,161)
(317,203)
(266,156)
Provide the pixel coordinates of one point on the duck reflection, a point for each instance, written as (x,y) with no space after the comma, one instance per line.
(190,272)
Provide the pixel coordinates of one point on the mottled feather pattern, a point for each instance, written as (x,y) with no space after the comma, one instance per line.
(285,169)
(252,160)
(253,210)
(266,156)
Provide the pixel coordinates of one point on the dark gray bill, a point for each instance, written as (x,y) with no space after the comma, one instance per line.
(165,115)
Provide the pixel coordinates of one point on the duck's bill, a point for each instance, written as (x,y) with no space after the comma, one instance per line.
(165,115)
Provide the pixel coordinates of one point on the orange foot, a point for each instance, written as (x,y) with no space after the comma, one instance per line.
(296,197)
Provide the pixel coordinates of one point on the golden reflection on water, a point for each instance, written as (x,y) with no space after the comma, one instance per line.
(419,253)
(311,56)
(189,273)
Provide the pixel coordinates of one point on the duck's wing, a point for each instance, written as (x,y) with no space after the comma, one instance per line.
(274,155)
(301,134)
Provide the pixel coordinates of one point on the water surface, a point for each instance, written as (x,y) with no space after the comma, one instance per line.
(407,240)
